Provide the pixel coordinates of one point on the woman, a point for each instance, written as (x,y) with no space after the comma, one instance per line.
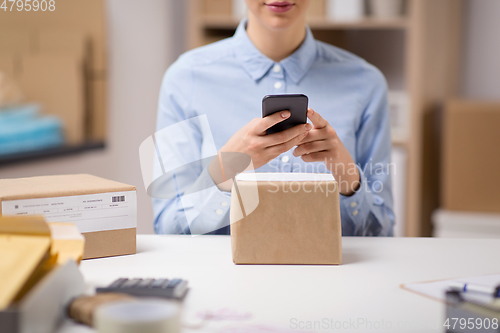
(274,52)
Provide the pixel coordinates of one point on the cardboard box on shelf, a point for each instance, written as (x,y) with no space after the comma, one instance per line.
(51,31)
(317,9)
(57,83)
(104,211)
(10,93)
(97,88)
(469,174)
(63,42)
(285,219)
(14,41)
(7,65)
(218,8)
(86,16)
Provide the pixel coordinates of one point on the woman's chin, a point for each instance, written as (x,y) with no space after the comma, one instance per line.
(279,22)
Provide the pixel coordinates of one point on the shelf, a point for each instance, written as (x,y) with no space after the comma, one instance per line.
(48,153)
(230,23)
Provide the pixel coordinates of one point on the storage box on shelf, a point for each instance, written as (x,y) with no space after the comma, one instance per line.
(69,42)
(470,162)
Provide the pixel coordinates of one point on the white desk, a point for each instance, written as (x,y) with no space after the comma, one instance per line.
(365,286)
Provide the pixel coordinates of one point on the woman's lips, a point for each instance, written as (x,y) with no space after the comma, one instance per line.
(280,7)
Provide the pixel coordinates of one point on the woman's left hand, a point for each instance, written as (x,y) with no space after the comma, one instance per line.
(323,145)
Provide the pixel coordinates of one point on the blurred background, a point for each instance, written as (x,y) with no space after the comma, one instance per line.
(79,88)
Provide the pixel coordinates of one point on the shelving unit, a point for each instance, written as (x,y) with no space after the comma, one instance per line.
(66,150)
(418,53)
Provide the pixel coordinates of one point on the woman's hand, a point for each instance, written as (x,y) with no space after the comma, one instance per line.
(323,145)
(253,141)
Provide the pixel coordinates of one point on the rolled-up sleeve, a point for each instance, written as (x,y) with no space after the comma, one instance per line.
(369,211)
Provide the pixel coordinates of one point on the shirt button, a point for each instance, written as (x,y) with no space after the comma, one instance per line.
(285,159)
(219,212)
(276,68)
(353,204)
(277,85)
(355,212)
(224,203)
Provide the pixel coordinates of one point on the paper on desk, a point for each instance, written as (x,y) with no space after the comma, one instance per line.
(437,289)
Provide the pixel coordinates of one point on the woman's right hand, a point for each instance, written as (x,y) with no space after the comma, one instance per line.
(262,148)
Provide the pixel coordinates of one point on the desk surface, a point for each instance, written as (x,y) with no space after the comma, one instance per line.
(365,288)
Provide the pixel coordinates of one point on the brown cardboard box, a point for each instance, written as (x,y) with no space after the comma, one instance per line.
(83,17)
(63,42)
(97,108)
(57,82)
(317,9)
(218,7)
(15,41)
(286,219)
(7,65)
(471,155)
(104,211)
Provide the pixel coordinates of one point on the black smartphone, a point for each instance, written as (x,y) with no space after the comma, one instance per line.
(295,103)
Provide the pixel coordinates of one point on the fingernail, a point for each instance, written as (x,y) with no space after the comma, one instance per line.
(308,127)
(285,114)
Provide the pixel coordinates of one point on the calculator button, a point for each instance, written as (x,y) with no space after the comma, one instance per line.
(158,283)
(117,283)
(131,283)
(165,284)
(145,283)
(174,283)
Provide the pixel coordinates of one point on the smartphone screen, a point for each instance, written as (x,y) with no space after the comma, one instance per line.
(295,103)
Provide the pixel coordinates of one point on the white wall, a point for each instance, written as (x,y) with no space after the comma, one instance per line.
(481,55)
(142,43)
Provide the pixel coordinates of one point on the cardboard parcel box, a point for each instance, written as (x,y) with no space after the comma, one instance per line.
(104,211)
(471,156)
(285,218)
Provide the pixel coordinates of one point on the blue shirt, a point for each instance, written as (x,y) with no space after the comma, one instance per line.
(225,82)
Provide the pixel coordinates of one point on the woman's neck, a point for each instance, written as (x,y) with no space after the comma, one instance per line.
(276,45)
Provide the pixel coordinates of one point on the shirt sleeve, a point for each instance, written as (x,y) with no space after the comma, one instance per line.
(369,211)
(185,199)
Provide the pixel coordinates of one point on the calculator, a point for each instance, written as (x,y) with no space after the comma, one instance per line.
(165,288)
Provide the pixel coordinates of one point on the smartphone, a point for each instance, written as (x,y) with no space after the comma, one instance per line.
(295,103)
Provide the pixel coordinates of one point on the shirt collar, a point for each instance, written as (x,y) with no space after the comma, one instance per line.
(257,65)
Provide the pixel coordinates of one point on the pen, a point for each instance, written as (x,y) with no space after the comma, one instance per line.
(475,288)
